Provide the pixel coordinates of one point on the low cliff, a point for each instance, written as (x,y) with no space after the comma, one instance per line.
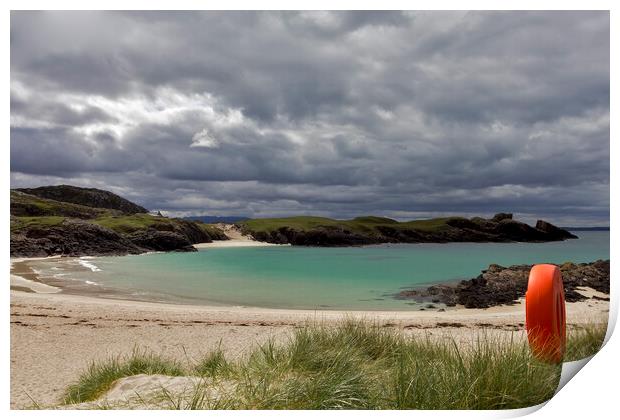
(42,226)
(318,231)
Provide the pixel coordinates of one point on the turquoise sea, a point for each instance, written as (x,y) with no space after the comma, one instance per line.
(363,278)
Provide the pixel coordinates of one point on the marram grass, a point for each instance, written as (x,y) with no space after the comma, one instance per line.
(356,365)
(100,376)
(584,341)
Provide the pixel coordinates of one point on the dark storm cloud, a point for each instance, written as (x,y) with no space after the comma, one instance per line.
(341,114)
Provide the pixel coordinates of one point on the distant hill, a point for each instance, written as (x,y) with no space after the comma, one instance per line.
(217,219)
(322,231)
(90,197)
(587,228)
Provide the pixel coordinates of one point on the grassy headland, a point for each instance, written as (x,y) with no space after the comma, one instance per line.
(42,223)
(43,226)
(367,224)
(321,231)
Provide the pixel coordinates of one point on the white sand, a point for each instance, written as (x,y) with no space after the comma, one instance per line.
(235,239)
(21,283)
(55,336)
(232,243)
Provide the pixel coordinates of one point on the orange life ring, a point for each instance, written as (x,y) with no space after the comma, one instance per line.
(545,313)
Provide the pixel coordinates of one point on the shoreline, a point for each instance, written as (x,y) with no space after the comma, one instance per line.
(55,336)
(24,279)
(29,281)
(233,243)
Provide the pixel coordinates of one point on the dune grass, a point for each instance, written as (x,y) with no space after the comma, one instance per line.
(584,341)
(358,365)
(213,365)
(100,376)
(355,365)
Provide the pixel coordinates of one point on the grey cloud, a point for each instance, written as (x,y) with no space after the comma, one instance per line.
(341,113)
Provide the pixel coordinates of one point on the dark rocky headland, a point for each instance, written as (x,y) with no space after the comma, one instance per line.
(499,285)
(319,231)
(73,221)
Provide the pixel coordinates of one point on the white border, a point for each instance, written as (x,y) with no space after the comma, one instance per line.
(591,395)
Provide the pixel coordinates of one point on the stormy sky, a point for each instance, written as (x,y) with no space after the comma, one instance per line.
(404,115)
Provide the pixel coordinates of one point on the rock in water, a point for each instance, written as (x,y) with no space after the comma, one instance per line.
(505,285)
(553,231)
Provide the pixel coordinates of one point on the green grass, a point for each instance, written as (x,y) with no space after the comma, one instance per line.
(131,223)
(214,365)
(23,223)
(584,341)
(100,376)
(128,224)
(357,365)
(29,205)
(364,366)
(365,225)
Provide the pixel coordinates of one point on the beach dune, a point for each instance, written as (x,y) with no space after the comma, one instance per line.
(54,336)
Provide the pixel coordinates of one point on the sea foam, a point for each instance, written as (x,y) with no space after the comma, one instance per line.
(87,264)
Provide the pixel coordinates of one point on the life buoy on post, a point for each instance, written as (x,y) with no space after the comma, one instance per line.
(545,313)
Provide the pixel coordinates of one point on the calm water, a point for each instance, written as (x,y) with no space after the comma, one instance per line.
(298,277)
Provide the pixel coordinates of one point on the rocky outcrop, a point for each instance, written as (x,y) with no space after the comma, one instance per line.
(550,230)
(195,233)
(500,228)
(505,285)
(501,216)
(156,240)
(71,238)
(90,197)
(47,226)
(321,236)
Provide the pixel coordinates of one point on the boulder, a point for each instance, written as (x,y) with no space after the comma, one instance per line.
(501,216)
(499,285)
(553,231)
(157,240)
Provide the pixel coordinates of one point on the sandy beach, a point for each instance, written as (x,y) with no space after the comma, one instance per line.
(234,243)
(55,335)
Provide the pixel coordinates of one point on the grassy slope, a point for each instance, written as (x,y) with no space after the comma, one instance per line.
(134,222)
(55,212)
(362,225)
(358,366)
(26,204)
(22,223)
